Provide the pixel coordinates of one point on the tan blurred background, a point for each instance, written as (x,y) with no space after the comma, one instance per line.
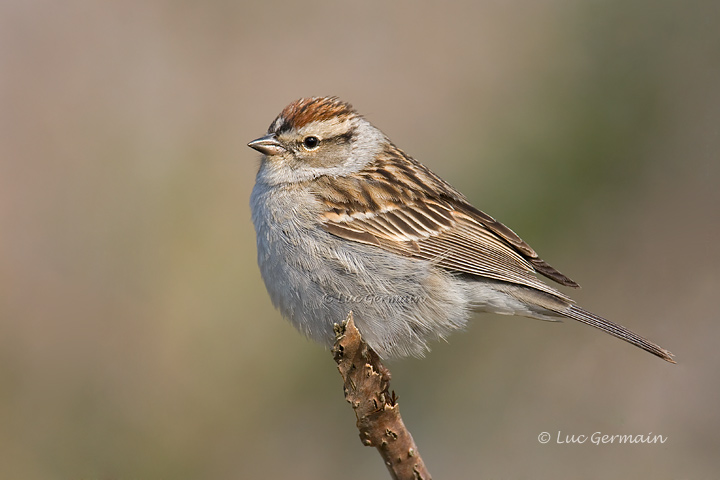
(136,337)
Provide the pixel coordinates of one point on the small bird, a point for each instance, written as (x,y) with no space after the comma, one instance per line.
(346,221)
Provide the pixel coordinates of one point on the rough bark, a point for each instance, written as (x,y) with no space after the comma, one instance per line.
(366,385)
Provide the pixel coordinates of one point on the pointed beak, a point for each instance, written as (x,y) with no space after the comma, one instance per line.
(269,145)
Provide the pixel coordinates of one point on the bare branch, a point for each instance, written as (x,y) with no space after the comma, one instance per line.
(367,383)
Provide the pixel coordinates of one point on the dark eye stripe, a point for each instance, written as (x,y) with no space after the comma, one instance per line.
(311,142)
(344,137)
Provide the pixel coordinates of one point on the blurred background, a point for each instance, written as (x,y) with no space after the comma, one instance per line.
(136,337)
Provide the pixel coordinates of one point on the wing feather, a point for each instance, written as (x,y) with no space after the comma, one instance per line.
(421,216)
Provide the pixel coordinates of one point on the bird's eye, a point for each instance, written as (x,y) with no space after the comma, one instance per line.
(311,142)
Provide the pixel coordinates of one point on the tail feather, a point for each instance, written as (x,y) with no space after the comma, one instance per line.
(588,318)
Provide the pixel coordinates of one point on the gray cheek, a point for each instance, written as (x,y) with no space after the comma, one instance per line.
(325,156)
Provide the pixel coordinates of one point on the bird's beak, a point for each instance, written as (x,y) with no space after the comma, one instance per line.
(269,145)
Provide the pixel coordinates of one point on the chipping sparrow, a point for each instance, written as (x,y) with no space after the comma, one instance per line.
(345,220)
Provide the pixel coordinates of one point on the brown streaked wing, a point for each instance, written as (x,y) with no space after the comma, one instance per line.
(500,229)
(400,205)
(451,238)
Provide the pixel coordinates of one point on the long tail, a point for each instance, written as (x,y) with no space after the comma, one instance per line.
(582,315)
